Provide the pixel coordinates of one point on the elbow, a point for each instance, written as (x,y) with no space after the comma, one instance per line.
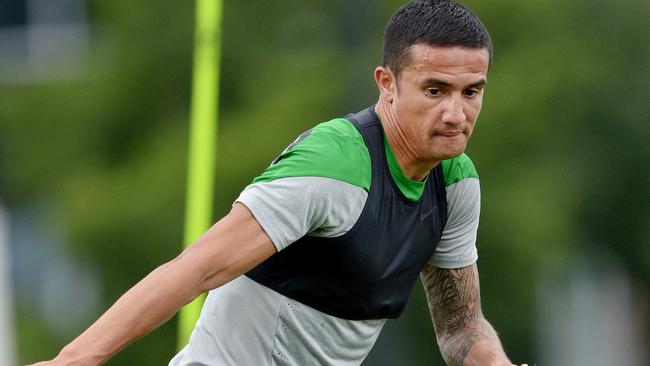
(184,277)
(204,273)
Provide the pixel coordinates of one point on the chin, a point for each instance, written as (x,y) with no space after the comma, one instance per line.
(450,153)
(448,156)
(444,149)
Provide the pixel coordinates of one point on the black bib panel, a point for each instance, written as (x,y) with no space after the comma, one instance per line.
(369,272)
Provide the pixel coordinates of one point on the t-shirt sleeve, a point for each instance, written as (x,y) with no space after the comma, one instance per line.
(290,208)
(457,248)
(317,186)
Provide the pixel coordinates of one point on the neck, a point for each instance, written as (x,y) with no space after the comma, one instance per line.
(406,155)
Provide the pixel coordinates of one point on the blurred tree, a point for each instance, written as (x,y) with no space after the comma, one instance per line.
(561,144)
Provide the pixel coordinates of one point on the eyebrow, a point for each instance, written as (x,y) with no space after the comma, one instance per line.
(437,82)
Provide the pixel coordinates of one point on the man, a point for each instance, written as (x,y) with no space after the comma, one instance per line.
(327,243)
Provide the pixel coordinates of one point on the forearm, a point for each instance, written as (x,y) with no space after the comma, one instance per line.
(228,249)
(464,336)
(144,307)
(476,344)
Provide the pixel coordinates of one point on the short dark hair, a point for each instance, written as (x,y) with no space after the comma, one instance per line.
(431,22)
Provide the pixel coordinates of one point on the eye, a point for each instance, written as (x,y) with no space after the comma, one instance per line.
(432,92)
(471,92)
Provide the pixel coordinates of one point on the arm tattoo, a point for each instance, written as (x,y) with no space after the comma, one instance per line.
(454,302)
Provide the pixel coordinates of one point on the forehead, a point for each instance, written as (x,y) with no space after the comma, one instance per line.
(453,61)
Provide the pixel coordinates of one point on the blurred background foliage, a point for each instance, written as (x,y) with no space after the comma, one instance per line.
(96,160)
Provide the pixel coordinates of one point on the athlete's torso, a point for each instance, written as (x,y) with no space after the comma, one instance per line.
(244,323)
(379,259)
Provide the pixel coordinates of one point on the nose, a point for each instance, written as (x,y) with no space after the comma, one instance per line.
(454,112)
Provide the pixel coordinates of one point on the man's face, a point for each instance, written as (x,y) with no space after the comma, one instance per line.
(437,98)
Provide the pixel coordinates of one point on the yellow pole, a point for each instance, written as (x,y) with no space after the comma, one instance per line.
(202,139)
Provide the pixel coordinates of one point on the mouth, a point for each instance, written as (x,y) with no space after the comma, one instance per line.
(450,133)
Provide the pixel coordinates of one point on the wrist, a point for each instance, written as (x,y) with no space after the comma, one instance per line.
(70,357)
(487,353)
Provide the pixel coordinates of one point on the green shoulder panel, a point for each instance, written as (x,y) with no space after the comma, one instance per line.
(456,169)
(333,149)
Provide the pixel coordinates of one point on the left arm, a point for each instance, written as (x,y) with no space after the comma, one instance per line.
(464,336)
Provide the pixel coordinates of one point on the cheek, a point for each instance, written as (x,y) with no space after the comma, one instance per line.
(469,131)
(476,107)
(470,127)
(472,112)
(410,113)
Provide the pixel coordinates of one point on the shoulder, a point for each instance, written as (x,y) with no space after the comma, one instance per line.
(461,182)
(457,169)
(338,128)
(333,149)
(336,137)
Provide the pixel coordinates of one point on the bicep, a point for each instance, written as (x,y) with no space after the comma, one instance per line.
(230,248)
(453,297)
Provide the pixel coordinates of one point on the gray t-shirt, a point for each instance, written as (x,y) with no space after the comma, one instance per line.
(245,323)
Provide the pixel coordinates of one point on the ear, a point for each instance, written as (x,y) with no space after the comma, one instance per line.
(386,82)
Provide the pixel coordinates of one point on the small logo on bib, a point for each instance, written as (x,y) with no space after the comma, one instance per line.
(424,215)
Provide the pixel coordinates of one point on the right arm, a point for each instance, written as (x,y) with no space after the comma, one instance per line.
(231,247)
